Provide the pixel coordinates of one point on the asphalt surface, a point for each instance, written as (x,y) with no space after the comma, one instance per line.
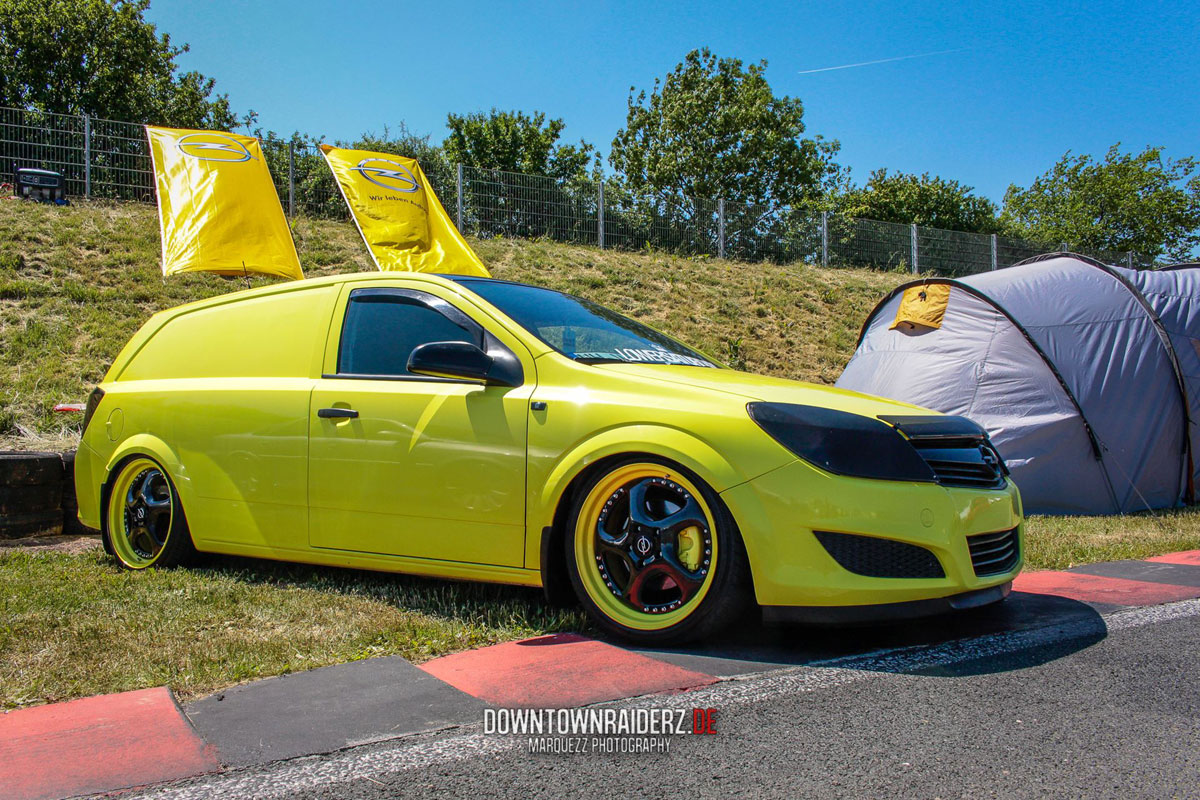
(1103,707)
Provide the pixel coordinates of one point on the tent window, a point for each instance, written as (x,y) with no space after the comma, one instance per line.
(922,307)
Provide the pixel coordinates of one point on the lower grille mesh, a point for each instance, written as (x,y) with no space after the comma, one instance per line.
(880,558)
(994,553)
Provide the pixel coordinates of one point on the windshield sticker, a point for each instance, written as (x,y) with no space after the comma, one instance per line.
(646,356)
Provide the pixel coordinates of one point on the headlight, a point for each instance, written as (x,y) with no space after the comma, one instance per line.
(842,443)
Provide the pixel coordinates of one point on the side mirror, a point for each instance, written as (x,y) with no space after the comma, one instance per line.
(452,360)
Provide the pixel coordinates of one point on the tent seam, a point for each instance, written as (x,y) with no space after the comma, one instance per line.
(1164,338)
(983,364)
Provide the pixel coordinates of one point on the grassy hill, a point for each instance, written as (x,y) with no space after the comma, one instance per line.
(76,282)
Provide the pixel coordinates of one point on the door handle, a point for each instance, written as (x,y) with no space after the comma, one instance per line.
(337,413)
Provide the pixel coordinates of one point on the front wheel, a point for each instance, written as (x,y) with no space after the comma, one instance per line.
(653,554)
(143,523)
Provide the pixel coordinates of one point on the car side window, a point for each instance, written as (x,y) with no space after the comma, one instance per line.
(382,327)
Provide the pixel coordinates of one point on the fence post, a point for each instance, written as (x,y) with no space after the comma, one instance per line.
(600,213)
(824,238)
(87,156)
(291,179)
(721,227)
(995,253)
(458,188)
(1129,259)
(913,233)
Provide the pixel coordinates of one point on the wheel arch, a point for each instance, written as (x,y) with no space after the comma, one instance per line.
(593,456)
(150,446)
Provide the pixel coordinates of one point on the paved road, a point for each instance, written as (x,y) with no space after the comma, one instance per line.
(1102,708)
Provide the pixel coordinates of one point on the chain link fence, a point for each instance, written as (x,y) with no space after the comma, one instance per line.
(110,159)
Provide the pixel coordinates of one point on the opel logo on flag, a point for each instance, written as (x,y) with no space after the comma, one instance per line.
(395,176)
(213,147)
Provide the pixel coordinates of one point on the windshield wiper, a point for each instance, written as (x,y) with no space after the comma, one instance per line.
(604,361)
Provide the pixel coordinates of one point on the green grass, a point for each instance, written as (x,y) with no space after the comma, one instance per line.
(1062,542)
(76,625)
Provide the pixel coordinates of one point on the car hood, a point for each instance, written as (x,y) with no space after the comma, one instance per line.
(766,388)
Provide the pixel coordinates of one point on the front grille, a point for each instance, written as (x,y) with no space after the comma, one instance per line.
(955,448)
(994,553)
(975,467)
(880,558)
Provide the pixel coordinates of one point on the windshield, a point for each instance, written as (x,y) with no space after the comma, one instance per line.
(581,329)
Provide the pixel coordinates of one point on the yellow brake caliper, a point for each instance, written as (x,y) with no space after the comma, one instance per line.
(689,547)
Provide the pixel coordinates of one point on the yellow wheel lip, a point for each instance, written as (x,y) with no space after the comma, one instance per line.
(585,551)
(115,517)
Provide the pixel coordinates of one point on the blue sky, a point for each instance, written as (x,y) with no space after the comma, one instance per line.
(1027,80)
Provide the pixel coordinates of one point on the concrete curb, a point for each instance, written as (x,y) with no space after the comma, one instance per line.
(63,749)
(99,744)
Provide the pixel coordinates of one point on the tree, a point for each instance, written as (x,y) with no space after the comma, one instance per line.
(921,199)
(102,58)
(496,203)
(1142,203)
(515,142)
(715,129)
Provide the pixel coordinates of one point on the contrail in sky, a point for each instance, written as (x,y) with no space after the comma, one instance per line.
(884,60)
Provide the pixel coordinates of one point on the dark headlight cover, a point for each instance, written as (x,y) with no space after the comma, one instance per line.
(842,443)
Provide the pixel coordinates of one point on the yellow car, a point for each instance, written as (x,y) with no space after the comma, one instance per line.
(483,430)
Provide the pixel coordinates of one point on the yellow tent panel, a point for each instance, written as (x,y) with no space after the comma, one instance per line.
(399,216)
(922,306)
(217,206)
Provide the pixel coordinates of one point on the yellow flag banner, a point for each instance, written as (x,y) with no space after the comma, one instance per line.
(217,206)
(398,214)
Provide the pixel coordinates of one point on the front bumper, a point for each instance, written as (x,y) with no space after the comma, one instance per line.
(778,512)
(885,612)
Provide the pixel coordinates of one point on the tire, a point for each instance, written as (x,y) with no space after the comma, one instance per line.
(30,469)
(143,521)
(653,554)
(29,499)
(27,523)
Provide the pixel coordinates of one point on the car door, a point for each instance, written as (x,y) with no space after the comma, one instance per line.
(416,466)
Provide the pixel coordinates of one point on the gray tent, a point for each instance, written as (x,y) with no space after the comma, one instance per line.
(1086,376)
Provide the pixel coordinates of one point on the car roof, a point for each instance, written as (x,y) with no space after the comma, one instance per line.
(448,281)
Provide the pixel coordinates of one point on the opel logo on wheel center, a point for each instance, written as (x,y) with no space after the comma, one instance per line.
(642,545)
(394,177)
(213,147)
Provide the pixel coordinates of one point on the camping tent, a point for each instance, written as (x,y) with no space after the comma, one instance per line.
(1086,376)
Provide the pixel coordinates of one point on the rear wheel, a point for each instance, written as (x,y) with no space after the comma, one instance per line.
(144,524)
(653,555)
